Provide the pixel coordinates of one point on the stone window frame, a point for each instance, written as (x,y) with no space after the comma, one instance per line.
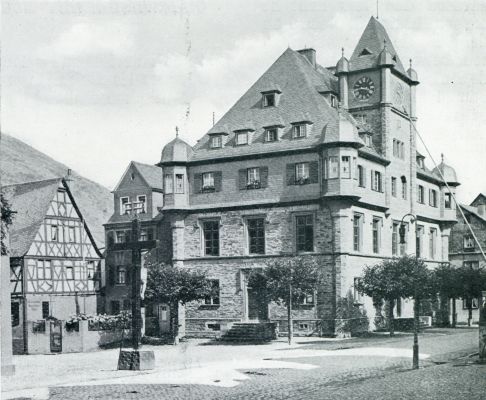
(421,194)
(210,300)
(202,239)
(358,244)
(376,246)
(297,214)
(433,242)
(448,201)
(393,186)
(246,219)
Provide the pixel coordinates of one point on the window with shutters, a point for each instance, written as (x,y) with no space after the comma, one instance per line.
(304,232)
(211,237)
(394,186)
(253,178)
(361,176)
(207,182)
(302,173)
(256,235)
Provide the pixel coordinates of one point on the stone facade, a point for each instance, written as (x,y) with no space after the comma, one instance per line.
(288,150)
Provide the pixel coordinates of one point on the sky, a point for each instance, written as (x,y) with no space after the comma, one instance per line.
(98,84)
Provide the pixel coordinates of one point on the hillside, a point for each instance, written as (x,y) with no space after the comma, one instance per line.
(20,162)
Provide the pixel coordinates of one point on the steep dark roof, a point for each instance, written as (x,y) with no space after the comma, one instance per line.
(30,201)
(367,51)
(473,210)
(151,173)
(300,100)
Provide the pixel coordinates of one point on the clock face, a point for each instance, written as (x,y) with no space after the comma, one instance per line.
(398,95)
(363,88)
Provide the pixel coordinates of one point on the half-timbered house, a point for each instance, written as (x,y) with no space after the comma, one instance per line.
(54,260)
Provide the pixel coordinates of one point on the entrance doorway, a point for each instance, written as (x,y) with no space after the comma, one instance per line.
(257,305)
(56,336)
(163,315)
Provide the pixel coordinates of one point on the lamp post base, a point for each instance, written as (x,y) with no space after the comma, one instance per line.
(136,360)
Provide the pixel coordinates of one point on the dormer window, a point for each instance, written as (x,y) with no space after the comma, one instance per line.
(216,142)
(271,135)
(299,131)
(241,138)
(420,162)
(334,102)
(269,100)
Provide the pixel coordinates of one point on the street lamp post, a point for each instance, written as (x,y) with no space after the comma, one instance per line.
(415,357)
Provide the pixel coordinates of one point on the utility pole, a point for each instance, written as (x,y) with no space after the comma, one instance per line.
(482,329)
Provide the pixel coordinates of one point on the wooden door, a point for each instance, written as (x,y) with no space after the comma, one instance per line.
(257,306)
(163,314)
(56,336)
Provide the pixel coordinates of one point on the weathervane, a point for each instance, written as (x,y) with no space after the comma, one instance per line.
(177,131)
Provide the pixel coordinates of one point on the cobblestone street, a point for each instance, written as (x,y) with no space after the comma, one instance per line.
(365,368)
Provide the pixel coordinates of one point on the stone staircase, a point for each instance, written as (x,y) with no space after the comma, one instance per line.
(251,332)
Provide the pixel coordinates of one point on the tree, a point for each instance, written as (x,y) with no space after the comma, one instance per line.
(174,286)
(286,281)
(406,276)
(447,283)
(472,281)
(5,222)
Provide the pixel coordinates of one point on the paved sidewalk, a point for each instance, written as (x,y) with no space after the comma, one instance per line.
(210,370)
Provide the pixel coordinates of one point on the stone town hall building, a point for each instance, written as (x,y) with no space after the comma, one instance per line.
(310,160)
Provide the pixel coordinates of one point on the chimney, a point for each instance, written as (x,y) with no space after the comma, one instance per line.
(310,54)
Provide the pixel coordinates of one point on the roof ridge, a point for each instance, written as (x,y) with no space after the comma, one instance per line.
(31,182)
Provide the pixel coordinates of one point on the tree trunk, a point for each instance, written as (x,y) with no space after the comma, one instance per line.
(174,321)
(391,325)
(469,312)
(289,316)
(416,308)
(454,314)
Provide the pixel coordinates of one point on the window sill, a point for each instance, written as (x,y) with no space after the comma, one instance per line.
(209,306)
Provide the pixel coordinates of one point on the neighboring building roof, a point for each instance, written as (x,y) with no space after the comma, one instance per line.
(474,211)
(367,52)
(151,173)
(300,100)
(30,201)
(480,196)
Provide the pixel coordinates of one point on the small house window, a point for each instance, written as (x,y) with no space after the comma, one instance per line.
(333,167)
(447,201)
(208,180)
(179,187)
(420,194)
(333,101)
(299,131)
(213,298)
(271,135)
(394,186)
(121,275)
(269,100)
(168,184)
(216,142)
(69,273)
(54,233)
(302,172)
(361,176)
(345,167)
(241,138)
(139,206)
(72,234)
(45,309)
(125,205)
(468,242)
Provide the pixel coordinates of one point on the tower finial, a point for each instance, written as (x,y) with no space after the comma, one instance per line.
(213,118)
(442,157)
(177,131)
(342,51)
(384,43)
(377,9)
(410,63)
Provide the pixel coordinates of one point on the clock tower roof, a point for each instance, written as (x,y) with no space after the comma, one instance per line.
(368,51)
